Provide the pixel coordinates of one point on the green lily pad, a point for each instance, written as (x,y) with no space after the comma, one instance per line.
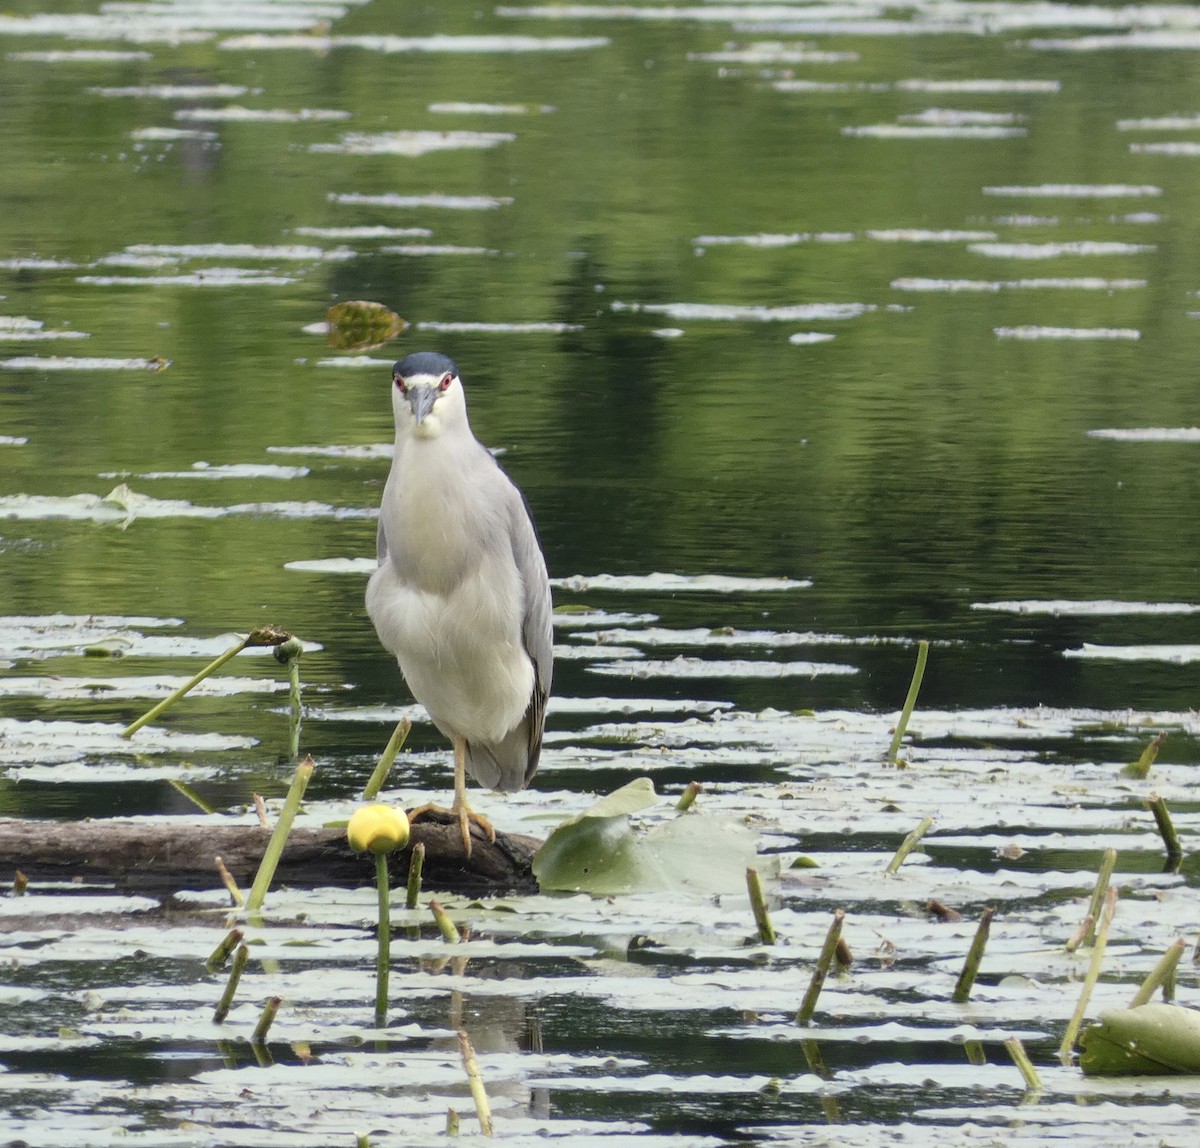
(600,852)
(1150,1040)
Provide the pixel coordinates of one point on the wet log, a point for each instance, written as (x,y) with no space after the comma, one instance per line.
(164,856)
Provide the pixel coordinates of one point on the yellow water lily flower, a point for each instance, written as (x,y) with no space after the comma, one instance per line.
(377,829)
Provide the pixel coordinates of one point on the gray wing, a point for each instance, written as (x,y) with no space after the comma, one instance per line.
(537,630)
(510,763)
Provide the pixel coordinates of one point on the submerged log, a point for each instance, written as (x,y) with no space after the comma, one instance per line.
(164,856)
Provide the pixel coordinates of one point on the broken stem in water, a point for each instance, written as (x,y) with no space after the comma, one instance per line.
(1093,975)
(416,862)
(809,1004)
(220,954)
(274,850)
(240,959)
(288,653)
(259,1036)
(386,759)
(482,1108)
(1166,827)
(970,969)
(1163,974)
(260,636)
(758,903)
(1021,1059)
(230,883)
(171,699)
(908,845)
(449,930)
(914,688)
(688,797)
(1107,863)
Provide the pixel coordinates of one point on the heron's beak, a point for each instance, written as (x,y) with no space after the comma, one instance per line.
(421,399)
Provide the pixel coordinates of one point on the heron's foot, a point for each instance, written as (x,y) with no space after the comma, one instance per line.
(465,815)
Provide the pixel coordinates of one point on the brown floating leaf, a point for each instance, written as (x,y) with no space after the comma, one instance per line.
(360,325)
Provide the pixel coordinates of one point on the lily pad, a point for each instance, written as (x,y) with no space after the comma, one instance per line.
(599,852)
(1150,1040)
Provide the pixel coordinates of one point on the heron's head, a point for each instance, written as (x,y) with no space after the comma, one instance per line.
(427,395)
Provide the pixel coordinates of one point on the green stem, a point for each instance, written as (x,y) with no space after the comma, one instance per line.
(482,1108)
(386,759)
(809,1004)
(230,883)
(1108,863)
(192,796)
(1089,981)
(240,958)
(1162,974)
(259,1036)
(221,953)
(1021,1059)
(970,969)
(688,798)
(293,665)
(416,862)
(907,846)
(383,961)
(1166,827)
(212,666)
(450,933)
(274,850)
(914,688)
(758,902)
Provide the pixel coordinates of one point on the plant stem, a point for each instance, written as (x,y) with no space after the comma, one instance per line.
(383,959)
(192,796)
(1021,1059)
(386,759)
(1093,975)
(1162,816)
(970,969)
(228,881)
(212,666)
(688,798)
(1140,769)
(235,974)
(1107,863)
(758,902)
(809,1004)
(221,953)
(1162,974)
(914,688)
(907,846)
(259,1036)
(450,933)
(293,665)
(482,1108)
(416,862)
(274,850)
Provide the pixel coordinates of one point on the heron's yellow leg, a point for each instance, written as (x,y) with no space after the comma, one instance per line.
(461,807)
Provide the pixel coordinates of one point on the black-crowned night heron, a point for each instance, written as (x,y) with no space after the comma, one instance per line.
(460,594)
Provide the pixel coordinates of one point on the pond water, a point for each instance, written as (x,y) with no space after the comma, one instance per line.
(873,323)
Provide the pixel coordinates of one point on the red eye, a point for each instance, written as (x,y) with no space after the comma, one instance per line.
(444,385)
(401,385)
